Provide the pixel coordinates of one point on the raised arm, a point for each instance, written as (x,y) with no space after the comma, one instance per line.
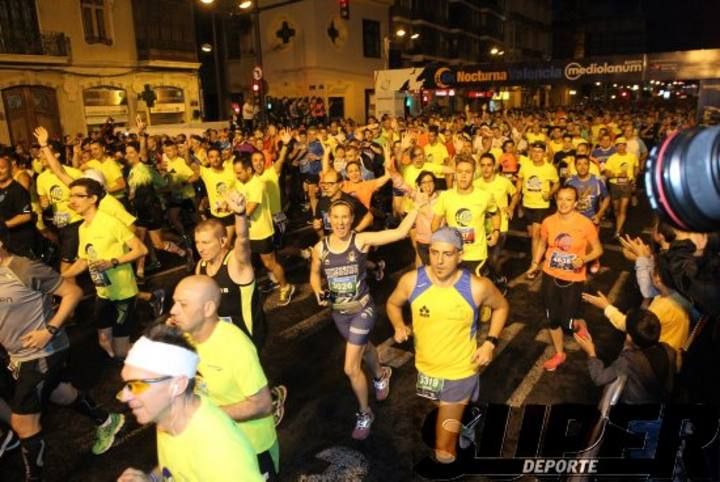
(53,163)
(380,238)
(241,266)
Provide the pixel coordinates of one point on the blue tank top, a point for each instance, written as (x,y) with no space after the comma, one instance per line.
(345,272)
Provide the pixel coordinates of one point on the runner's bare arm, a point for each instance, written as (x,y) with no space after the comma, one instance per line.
(395,304)
(315,275)
(253,407)
(380,238)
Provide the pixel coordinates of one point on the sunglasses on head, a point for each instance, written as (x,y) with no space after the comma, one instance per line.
(139,386)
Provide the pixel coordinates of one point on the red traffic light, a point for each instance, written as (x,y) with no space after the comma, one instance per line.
(344,8)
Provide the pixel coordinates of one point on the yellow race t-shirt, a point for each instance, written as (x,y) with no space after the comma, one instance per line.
(211,448)
(106,238)
(532,137)
(617,164)
(111,206)
(272,186)
(180,172)
(231,373)
(58,195)
(437,153)
(466,213)
(261,225)
(501,190)
(111,170)
(536,182)
(217,184)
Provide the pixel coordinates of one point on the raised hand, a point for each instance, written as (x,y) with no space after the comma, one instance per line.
(41,134)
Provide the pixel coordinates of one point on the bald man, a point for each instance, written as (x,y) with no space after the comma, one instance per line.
(231,373)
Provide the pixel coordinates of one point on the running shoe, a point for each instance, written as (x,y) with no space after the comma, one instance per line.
(286,295)
(380,270)
(363,422)
(105,434)
(279,395)
(8,441)
(382,385)
(157,303)
(554,362)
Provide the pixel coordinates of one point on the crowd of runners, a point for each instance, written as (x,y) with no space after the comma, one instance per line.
(102,207)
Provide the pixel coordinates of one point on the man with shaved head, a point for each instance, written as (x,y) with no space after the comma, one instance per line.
(231,373)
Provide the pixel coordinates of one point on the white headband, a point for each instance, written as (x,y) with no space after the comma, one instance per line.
(162,358)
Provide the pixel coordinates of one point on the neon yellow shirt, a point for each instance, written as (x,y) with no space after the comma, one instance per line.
(58,195)
(210,449)
(536,182)
(231,373)
(106,238)
(272,186)
(467,212)
(180,172)
(501,190)
(111,206)
(217,184)
(618,164)
(436,153)
(261,225)
(111,170)
(444,327)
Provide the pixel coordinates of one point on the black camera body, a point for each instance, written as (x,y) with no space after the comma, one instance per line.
(682,179)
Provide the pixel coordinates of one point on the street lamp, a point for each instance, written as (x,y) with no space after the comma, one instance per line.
(207,2)
(245,5)
(400,32)
(415,36)
(206,47)
(494,51)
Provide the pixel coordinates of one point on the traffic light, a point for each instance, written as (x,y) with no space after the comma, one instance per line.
(256,87)
(344,9)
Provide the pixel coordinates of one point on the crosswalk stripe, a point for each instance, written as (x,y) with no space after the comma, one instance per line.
(523,390)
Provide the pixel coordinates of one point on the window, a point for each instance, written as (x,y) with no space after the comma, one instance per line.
(93,19)
(371,38)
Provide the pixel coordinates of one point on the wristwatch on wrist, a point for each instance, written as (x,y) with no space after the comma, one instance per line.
(115,262)
(492,339)
(52,329)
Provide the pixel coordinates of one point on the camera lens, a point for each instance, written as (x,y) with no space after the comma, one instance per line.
(682,179)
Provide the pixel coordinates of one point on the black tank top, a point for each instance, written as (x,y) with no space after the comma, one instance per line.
(240,302)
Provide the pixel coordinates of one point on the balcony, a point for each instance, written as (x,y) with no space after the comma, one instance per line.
(45,48)
(166,49)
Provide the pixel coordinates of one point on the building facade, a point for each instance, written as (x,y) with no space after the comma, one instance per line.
(69,65)
(528,30)
(455,32)
(310,50)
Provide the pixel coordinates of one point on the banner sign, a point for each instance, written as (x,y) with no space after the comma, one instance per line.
(694,64)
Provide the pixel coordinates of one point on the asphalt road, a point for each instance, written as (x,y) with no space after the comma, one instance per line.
(305,352)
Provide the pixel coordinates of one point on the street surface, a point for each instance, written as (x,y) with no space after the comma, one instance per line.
(305,352)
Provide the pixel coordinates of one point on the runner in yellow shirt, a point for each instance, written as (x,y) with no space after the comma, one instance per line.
(196,440)
(107,248)
(232,377)
(182,194)
(218,177)
(261,225)
(465,208)
(620,170)
(506,198)
(114,180)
